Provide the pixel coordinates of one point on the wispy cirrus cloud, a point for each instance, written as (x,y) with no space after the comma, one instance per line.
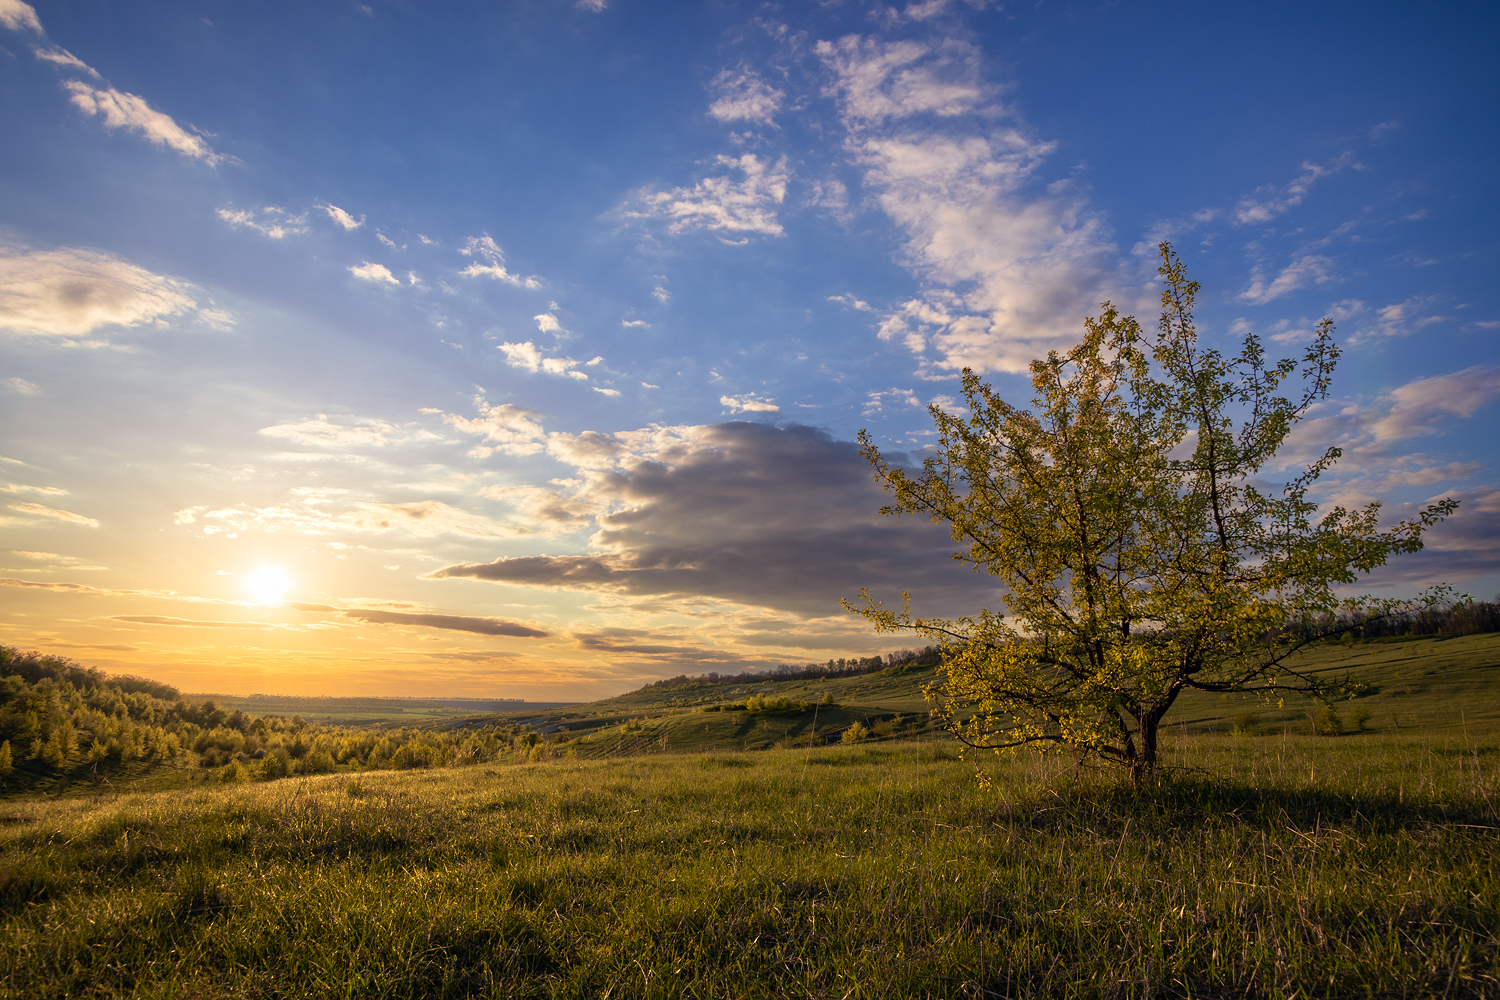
(131,112)
(53,514)
(273,222)
(1311,269)
(74,292)
(1011,266)
(63,59)
(745,204)
(1273,200)
(18,16)
(344,219)
(1423,406)
(744,96)
(315,512)
(489,262)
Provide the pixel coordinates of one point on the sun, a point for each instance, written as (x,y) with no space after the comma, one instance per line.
(267,585)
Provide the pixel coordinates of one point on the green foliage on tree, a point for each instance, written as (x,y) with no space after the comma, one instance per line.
(6,763)
(1140,553)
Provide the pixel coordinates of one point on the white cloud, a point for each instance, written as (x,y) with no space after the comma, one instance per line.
(607,392)
(887,80)
(374,272)
(1419,407)
(1309,270)
(382,237)
(54,514)
(543,510)
(1010,267)
(70,292)
(596,6)
(748,404)
(22,386)
(18,16)
(121,110)
(526,357)
(547,323)
(486,250)
(722,203)
(64,59)
(322,432)
(597,359)
(631,323)
(661,295)
(876,401)
(850,301)
(308,514)
(343,218)
(1270,201)
(744,96)
(1398,319)
(831,195)
(512,429)
(276,223)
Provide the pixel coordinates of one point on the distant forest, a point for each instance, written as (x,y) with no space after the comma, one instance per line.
(899,662)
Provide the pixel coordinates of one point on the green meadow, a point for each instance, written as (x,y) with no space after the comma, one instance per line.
(697,843)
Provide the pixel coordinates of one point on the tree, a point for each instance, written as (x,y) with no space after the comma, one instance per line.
(1140,552)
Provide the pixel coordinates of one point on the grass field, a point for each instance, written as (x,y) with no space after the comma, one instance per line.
(1278,865)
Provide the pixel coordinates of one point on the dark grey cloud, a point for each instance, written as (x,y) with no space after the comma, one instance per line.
(630,645)
(457,623)
(1463,547)
(780,517)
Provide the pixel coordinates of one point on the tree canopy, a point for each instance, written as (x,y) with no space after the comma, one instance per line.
(1142,551)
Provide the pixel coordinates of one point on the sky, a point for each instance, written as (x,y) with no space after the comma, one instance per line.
(518,349)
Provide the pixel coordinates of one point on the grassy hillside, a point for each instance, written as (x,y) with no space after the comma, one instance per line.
(1307,866)
(75,731)
(662,858)
(1432,683)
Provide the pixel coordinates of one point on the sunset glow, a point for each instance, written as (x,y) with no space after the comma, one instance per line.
(520,350)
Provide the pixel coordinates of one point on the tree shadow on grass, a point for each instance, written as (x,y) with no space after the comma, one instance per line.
(1193,802)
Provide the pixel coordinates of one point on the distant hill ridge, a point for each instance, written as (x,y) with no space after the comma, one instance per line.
(337,704)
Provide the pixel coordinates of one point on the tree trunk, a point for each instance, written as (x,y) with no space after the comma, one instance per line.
(1143,765)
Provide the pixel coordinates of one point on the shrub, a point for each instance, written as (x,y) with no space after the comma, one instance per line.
(1246,724)
(317,762)
(1327,722)
(5,759)
(854,733)
(1359,715)
(234,773)
(276,764)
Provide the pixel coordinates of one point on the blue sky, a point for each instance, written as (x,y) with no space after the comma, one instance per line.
(518,349)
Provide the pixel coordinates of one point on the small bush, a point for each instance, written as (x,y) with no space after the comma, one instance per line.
(854,733)
(1327,722)
(1359,717)
(233,773)
(317,762)
(276,764)
(1246,724)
